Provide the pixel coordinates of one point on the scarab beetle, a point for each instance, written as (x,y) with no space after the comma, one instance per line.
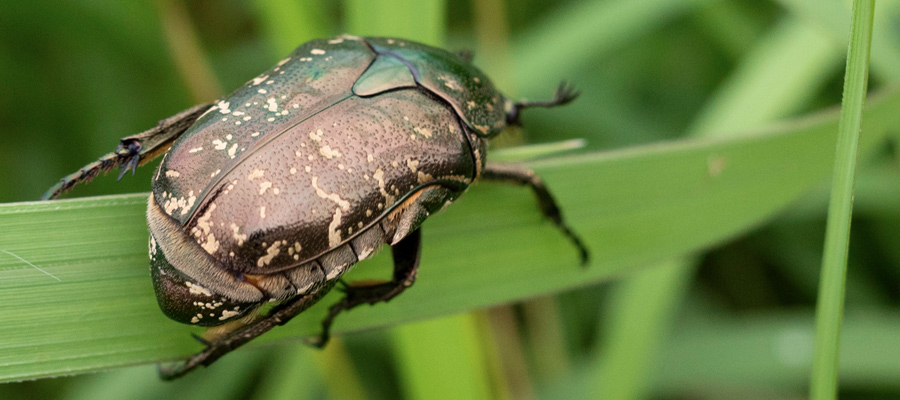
(275,191)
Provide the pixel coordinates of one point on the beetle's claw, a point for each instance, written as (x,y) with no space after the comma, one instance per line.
(565,93)
(131,165)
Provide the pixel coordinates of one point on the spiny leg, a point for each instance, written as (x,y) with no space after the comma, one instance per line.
(545,200)
(218,347)
(565,93)
(133,150)
(406,265)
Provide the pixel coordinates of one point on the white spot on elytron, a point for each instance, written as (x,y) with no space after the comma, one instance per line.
(254,134)
(264,186)
(194,150)
(197,289)
(423,131)
(368,213)
(317,135)
(282,62)
(190,203)
(476,79)
(219,145)
(232,150)
(295,105)
(471,104)
(272,105)
(257,173)
(228,314)
(334,234)
(271,252)
(260,79)
(203,221)
(237,114)
(211,244)
(369,157)
(223,107)
(332,196)
(236,234)
(425,178)
(412,164)
(293,171)
(311,157)
(336,41)
(262,91)
(237,122)
(298,154)
(379,176)
(329,153)
(307,168)
(262,212)
(216,172)
(340,166)
(317,52)
(228,137)
(172,174)
(270,119)
(247,118)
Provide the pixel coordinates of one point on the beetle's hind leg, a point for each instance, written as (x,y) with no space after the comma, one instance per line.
(406,255)
(133,150)
(254,327)
(545,200)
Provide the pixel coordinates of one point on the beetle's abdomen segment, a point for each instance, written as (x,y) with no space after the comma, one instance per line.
(186,301)
(189,287)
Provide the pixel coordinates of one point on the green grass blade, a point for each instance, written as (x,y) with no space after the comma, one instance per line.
(288,23)
(633,207)
(442,359)
(830,304)
(393,18)
(774,350)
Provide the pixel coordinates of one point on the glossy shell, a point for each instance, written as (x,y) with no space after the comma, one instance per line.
(283,185)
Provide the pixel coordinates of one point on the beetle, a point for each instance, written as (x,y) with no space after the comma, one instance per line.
(272,193)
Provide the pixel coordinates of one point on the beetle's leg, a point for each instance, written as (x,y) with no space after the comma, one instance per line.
(220,346)
(133,150)
(565,93)
(545,200)
(406,254)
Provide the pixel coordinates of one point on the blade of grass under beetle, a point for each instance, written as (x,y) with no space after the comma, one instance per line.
(830,302)
(633,207)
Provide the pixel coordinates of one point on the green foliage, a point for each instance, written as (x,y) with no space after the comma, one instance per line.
(711,243)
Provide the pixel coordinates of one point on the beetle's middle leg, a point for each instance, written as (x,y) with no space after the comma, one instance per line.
(406,255)
(547,204)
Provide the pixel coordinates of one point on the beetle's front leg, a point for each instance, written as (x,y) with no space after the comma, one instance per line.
(406,255)
(547,204)
(133,150)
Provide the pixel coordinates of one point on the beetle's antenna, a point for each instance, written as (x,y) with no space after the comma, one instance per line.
(565,93)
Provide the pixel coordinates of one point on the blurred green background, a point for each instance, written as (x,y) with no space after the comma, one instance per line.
(734,321)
